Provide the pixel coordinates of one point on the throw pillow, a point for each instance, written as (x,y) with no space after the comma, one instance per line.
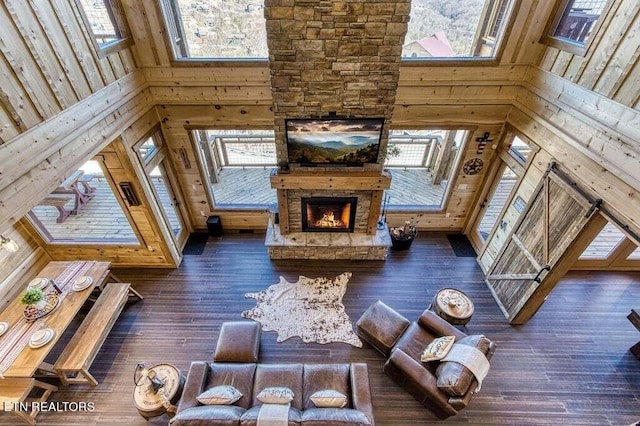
(219,395)
(275,395)
(454,379)
(437,349)
(329,399)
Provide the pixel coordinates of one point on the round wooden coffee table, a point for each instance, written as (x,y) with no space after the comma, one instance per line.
(152,404)
(453,306)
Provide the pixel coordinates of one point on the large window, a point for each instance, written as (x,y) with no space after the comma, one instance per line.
(106,22)
(83,209)
(574,23)
(216,29)
(237,165)
(455,29)
(422,164)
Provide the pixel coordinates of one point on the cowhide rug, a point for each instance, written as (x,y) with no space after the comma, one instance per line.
(310,308)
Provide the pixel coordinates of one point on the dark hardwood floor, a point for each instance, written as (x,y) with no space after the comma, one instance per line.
(569,365)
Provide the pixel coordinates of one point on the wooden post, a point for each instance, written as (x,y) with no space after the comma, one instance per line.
(442,160)
(283,211)
(374,211)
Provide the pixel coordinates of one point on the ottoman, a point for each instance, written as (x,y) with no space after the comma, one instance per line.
(239,341)
(381,327)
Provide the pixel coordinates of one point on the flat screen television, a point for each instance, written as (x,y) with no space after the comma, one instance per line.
(333,141)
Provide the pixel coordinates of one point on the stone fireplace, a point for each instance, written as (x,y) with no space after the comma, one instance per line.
(328,214)
(332,59)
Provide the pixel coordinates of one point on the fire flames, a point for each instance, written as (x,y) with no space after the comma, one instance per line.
(329,220)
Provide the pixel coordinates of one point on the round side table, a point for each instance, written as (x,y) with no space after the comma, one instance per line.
(453,306)
(164,400)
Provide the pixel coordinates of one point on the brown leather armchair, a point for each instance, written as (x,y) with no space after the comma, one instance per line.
(443,387)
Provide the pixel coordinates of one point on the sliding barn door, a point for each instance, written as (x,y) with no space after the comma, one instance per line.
(524,271)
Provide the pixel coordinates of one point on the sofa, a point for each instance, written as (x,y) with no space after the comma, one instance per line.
(443,387)
(352,380)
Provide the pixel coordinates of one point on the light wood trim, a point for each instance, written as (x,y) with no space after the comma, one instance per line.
(355,180)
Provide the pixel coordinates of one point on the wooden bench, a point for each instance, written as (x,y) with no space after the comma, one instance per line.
(14,393)
(84,181)
(73,365)
(634,318)
(58,201)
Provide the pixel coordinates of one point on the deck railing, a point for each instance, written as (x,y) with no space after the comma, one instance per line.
(247,151)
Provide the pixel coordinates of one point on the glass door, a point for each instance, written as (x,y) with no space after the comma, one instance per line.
(167,197)
(494,203)
(154,158)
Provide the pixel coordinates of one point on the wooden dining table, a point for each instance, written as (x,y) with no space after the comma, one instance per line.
(17,358)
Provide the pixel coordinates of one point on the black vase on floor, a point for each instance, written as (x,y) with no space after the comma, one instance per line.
(400,244)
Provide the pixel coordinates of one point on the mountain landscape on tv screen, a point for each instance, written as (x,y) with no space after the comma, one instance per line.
(301,151)
(335,141)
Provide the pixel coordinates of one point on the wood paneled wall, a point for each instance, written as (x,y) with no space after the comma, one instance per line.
(611,67)
(595,139)
(17,269)
(48,63)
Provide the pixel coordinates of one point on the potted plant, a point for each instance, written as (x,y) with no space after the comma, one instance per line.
(403,236)
(35,297)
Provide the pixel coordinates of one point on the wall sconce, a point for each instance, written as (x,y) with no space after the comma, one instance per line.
(8,244)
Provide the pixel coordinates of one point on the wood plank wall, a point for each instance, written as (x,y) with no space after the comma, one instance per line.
(17,269)
(50,122)
(48,63)
(610,67)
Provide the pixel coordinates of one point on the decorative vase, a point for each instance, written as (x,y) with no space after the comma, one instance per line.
(41,304)
(400,244)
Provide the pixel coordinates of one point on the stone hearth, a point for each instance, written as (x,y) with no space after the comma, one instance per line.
(313,245)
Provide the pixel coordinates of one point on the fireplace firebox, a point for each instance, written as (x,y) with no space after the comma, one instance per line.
(329,214)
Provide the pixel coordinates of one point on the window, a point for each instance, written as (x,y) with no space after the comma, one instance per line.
(208,29)
(237,165)
(106,23)
(83,209)
(456,29)
(604,243)
(422,163)
(574,23)
(519,150)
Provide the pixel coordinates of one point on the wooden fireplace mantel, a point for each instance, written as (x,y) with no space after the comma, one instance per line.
(366,181)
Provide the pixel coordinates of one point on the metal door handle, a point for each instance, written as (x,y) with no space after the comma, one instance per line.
(544,268)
